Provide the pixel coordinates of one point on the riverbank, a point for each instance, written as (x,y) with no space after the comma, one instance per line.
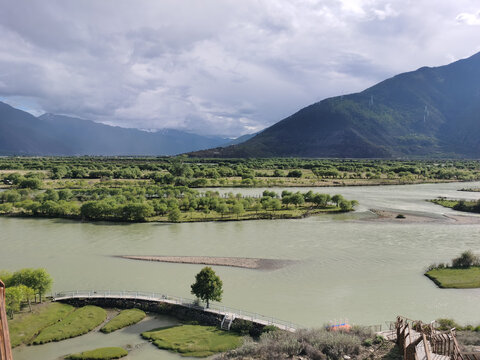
(247,263)
(472,206)
(196,217)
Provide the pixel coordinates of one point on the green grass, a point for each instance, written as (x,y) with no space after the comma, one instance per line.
(445,203)
(125,318)
(79,322)
(24,327)
(105,353)
(194,340)
(456,278)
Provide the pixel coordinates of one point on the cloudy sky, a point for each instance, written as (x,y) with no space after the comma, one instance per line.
(226,67)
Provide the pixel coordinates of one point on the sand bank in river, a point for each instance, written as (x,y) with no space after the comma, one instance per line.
(248,263)
(391,216)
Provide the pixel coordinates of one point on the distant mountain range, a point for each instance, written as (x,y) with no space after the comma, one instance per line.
(24,134)
(430,112)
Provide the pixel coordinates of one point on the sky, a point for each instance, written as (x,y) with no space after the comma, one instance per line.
(217,67)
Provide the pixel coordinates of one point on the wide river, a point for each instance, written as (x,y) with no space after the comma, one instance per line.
(349,266)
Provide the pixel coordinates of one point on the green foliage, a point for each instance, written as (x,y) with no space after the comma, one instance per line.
(207,286)
(13,299)
(76,323)
(37,279)
(460,205)
(447,324)
(466,260)
(25,326)
(106,353)
(194,340)
(123,319)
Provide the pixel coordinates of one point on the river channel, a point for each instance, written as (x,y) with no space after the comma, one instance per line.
(349,266)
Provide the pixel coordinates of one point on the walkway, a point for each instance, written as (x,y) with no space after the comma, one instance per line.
(420,341)
(175,300)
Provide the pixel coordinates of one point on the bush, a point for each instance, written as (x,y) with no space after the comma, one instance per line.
(400,216)
(315,343)
(447,324)
(466,260)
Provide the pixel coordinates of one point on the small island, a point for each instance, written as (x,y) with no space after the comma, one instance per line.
(463,273)
(472,206)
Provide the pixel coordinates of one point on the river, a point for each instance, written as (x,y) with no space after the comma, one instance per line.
(349,267)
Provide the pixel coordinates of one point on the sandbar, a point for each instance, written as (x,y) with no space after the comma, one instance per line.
(240,262)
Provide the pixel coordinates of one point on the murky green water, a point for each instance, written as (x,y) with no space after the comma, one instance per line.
(367,272)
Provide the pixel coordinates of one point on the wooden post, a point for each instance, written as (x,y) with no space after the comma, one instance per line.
(5,348)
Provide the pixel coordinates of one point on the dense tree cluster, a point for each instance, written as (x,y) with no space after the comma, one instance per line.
(138,203)
(196,173)
(23,286)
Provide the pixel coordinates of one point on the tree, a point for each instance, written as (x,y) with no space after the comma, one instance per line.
(321,200)
(238,209)
(42,282)
(27,295)
(13,299)
(297,199)
(337,198)
(257,207)
(222,209)
(207,286)
(174,214)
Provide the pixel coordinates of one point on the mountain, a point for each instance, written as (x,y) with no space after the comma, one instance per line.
(430,112)
(24,134)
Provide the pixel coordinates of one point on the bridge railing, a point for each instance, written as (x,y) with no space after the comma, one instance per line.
(177,300)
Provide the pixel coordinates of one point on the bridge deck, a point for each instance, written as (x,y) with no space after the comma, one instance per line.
(174,300)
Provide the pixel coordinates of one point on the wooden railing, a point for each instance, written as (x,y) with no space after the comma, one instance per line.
(5,348)
(410,335)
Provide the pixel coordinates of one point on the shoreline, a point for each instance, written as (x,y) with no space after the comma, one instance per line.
(391,216)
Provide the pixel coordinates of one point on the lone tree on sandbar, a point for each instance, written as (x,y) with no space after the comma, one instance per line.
(207,286)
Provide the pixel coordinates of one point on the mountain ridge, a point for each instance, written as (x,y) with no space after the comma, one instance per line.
(24,134)
(429,112)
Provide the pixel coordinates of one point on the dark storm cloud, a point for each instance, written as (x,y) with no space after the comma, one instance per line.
(225,67)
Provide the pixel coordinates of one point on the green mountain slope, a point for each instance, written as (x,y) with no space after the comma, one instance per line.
(428,112)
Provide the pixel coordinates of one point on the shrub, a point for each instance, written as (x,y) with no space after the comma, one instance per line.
(368,342)
(269,328)
(465,260)
(315,343)
(400,216)
(447,324)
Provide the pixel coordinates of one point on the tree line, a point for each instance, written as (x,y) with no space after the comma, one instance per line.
(139,203)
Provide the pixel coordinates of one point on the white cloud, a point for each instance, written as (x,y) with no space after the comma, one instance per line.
(469,18)
(225,67)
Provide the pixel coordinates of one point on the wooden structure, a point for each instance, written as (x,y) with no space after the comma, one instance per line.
(419,341)
(5,348)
